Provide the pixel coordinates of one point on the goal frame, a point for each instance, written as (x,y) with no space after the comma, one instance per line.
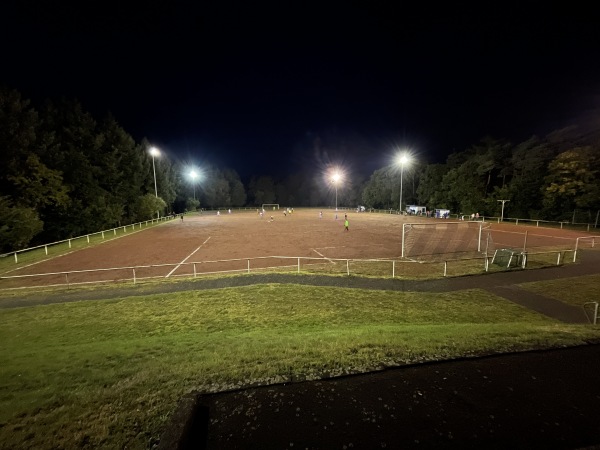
(274,205)
(433,225)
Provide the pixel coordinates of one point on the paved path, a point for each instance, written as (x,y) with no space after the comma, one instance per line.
(534,400)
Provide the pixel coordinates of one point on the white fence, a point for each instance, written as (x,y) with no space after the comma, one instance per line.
(99,235)
(382,268)
(586,241)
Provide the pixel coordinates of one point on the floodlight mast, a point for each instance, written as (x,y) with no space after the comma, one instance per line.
(154,152)
(335,179)
(502,214)
(194,174)
(402,160)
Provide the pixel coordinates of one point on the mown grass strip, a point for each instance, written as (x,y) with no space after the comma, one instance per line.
(574,291)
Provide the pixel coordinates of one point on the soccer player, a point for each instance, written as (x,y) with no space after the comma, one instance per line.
(346,224)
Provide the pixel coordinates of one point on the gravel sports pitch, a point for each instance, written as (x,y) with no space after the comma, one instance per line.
(242,240)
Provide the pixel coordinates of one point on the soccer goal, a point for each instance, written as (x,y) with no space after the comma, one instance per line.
(445,238)
(267,206)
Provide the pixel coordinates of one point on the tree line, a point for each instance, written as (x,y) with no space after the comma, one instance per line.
(66,174)
(555,178)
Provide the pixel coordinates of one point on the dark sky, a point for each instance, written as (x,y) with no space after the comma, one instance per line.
(275,87)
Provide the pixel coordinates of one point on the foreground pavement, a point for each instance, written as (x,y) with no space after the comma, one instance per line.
(543,399)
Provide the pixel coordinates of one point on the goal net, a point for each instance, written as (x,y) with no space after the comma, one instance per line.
(462,238)
(270,206)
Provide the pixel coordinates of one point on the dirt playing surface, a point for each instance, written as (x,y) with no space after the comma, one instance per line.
(242,241)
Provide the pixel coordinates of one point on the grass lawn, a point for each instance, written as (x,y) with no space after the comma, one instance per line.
(574,291)
(107,374)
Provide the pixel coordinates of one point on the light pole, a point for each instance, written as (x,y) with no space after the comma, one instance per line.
(154,152)
(403,159)
(335,179)
(502,215)
(194,174)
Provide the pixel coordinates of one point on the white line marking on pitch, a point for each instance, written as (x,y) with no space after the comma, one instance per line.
(37,262)
(188,257)
(323,256)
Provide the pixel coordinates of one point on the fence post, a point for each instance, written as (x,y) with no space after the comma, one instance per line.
(16,259)
(595,313)
(575,251)
(133,276)
(69,243)
(248,266)
(124,230)
(558,259)
(46,249)
(348,267)
(445,267)
(103,235)
(88,238)
(402,254)
(393,268)
(298,265)
(537,223)
(194,270)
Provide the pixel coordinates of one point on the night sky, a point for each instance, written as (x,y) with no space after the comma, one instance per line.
(273,88)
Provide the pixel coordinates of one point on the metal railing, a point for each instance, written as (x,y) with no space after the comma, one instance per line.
(583,239)
(594,318)
(381,268)
(87,237)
